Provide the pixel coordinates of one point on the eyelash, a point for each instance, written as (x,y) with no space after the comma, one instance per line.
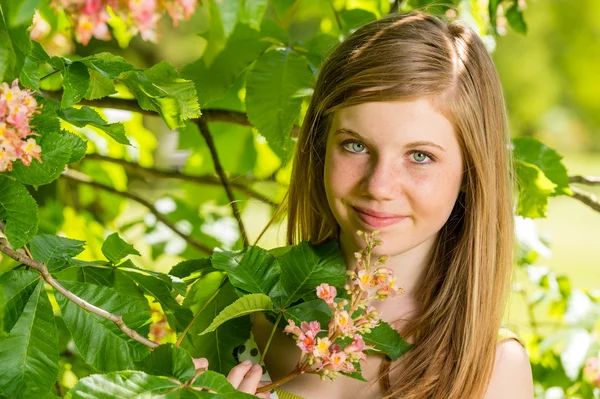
(430,156)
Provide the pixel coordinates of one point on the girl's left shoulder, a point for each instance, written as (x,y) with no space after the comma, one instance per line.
(511,376)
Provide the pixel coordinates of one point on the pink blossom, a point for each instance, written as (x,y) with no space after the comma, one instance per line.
(313,327)
(344,322)
(322,347)
(365,280)
(291,328)
(591,373)
(326,292)
(306,342)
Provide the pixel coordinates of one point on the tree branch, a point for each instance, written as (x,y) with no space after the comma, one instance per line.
(587,198)
(238,182)
(215,157)
(21,257)
(84,179)
(589,180)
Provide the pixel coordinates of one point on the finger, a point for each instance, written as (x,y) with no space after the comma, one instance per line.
(237,374)
(251,380)
(201,363)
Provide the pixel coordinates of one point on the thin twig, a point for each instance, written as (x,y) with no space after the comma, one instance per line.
(264,352)
(240,183)
(589,180)
(187,328)
(217,163)
(337,15)
(84,179)
(587,198)
(21,257)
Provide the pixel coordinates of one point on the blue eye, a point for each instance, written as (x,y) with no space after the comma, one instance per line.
(353,146)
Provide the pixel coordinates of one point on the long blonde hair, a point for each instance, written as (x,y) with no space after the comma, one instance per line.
(463,294)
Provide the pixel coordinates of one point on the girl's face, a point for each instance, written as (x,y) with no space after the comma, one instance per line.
(395,167)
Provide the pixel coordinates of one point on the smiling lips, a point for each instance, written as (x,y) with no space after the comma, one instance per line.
(377,219)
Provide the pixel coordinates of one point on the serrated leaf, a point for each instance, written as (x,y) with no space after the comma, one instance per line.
(220,385)
(55,252)
(170,361)
(253,269)
(30,76)
(20,211)
(271,101)
(204,288)
(534,190)
(245,305)
(78,147)
(2,310)
(20,12)
(107,64)
(29,353)
(161,89)
(56,152)
(18,286)
(177,284)
(100,342)
(387,340)
(212,83)
(46,120)
(217,346)
(178,316)
(315,310)
(100,86)
(84,116)
(549,161)
(241,12)
(304,267)
(115,248)
(14,47)
(124,384)
(193,266)
(76,81)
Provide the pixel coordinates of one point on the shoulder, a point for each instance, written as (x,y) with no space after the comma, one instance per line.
(511,376)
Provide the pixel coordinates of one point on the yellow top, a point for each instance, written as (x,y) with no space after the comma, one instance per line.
(503,334)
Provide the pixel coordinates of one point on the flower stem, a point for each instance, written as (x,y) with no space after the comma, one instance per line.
(264,353)
(295,373)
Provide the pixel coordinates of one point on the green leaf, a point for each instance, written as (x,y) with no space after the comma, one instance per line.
(107,64)
(193,266)
(170,361)
(549,161)
(315,310)
(2,310)
(178,316)
(218,346)
(18,286)
(237,12)
(174,282)
(161,89)
(514,15)
(56,152)
(245,305)
(305,266)
(76,81)
(115,248)
(78,147)
(29,353)
(355,18)
(219,384)
(7,54)
(55,252)
(203,289)
(273,98)
(252,270)
(493,13)
(84,116)
(30,76)
(100,342)
(387,340)
(20,211)
(124,384)
(20,12)
(534,190)
(212,83)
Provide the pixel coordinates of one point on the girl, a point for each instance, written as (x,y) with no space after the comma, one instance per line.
(406,133)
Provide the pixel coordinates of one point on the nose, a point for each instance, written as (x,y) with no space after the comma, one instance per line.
(383,180)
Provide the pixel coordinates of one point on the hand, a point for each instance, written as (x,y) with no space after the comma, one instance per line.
(244,377)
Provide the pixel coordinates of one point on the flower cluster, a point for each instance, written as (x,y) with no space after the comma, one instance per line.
(90,17)
(16,110)
(341,350)
(591,373)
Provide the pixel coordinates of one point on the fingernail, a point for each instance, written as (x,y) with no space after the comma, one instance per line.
(256,367)
(246,362)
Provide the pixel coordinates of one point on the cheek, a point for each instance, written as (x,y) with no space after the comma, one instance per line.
(437,191)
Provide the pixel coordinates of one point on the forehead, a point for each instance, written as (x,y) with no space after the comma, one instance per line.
(396,121)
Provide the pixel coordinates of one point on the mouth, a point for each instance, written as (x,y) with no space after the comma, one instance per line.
(377,220)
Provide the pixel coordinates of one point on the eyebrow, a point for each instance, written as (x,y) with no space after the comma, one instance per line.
(409,145)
